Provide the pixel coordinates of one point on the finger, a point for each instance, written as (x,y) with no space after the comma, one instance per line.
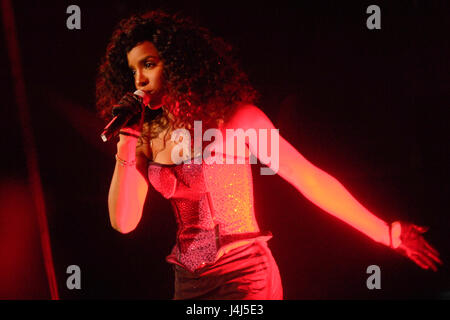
(425,249)
(431,248)
(432,256)
(129,98)
(128,101)
(427,261)
(419,262)
(117,110)
(428,250)
(135,97)
(127,107)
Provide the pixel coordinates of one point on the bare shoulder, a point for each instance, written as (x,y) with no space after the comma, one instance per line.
(247,115)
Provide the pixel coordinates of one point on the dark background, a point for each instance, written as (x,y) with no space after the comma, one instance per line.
(367,106)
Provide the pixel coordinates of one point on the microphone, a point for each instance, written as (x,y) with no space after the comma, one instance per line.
(122,118)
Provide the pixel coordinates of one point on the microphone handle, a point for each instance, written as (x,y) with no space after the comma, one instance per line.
(113,127)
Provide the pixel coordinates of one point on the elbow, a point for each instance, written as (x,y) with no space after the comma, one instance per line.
(123,223)
(124,229)
(124,216)
(123,219)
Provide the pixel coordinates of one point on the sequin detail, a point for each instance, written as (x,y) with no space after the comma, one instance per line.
(213,206)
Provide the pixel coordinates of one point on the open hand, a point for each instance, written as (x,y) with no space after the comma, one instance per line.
(415,247)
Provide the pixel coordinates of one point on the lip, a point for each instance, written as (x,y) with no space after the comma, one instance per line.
(147,97)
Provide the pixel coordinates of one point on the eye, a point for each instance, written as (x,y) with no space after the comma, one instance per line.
(149,64)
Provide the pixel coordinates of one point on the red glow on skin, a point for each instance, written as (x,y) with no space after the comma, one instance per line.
(316,185)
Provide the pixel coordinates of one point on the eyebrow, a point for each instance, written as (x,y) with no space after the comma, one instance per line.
(143,59)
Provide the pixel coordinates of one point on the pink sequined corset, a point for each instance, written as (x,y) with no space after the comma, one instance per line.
(213,205)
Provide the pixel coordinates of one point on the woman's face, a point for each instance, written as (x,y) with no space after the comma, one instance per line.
(147,69)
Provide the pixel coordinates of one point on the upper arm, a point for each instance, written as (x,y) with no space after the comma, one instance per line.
(281,156)
(251,119)
(248,116)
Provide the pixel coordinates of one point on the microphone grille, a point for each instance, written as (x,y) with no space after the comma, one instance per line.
(140,93)
(145,97)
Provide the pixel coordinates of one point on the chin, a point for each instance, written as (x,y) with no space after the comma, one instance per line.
(155,104)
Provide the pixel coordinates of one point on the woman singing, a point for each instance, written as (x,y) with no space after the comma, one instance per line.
(188,75)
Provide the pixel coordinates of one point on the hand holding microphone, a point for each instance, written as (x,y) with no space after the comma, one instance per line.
(128,112)
(132,105)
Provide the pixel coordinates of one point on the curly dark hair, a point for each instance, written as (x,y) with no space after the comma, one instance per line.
(203,80)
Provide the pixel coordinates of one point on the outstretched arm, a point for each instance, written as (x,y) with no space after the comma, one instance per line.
(328,193)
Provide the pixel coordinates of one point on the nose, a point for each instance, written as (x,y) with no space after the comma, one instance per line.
(141,80)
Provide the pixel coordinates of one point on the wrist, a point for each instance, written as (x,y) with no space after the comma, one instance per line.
(128,136)
(126,148)
(129,133)
(125,163)
(127,140)
(395,232)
